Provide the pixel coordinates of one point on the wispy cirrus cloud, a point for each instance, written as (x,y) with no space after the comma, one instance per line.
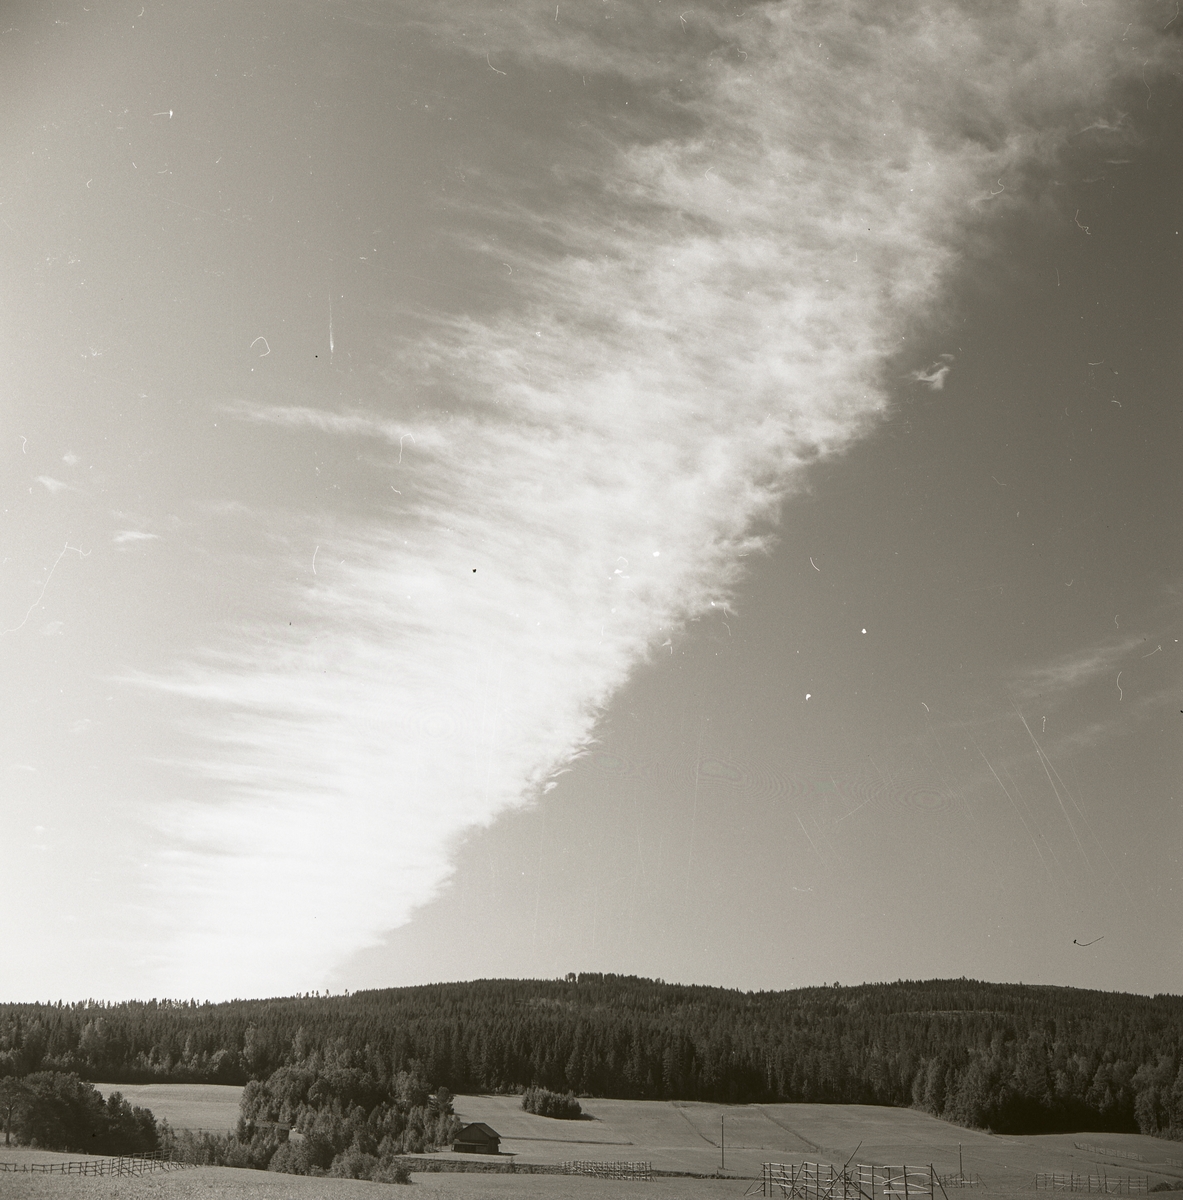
(1057,679)
(53,486)
(1125,679)
(707,308)
(935,374)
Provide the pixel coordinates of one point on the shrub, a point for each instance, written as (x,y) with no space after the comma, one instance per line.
(392,1171)
(551,1104)
(289,1159)
(353,1164)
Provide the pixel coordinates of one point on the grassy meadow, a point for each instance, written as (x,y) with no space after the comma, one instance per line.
(677,1136)
(226,1183)
(683,1135)
(209,1106)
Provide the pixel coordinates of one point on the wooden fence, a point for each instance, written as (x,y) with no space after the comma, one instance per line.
(812,1181)
(1108,1151)
(611,1170)
(1120,1185)
(126,1164)
(816,1181)
(904,1182)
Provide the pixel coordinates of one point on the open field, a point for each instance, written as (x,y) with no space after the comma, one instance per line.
(203,1182)
(684,1136)
(226,1183)
(209,1106)
(676,1136)
(22,1154)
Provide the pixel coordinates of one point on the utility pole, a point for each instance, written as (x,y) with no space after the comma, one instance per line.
(960,1164)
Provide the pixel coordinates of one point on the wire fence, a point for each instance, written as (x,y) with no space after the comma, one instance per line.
(124,1164)
(1120,1185)
(611,1170)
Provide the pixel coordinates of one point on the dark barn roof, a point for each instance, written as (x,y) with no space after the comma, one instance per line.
(477,1131)
(477,1138)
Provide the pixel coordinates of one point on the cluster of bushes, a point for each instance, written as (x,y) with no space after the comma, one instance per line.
(334,1113)
(291,1154)
(546,1103)
(1036,1086)
(55,1111)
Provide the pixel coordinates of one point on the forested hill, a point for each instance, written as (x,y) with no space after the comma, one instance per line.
(1008,1057)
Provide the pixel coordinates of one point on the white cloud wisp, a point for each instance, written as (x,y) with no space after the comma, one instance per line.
(717,315)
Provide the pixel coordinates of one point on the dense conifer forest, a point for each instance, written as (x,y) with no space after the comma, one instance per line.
(1008,1057)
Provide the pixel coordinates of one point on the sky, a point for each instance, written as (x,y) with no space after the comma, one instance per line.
(501,490)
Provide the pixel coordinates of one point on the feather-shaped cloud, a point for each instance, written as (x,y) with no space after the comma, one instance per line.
(708,308)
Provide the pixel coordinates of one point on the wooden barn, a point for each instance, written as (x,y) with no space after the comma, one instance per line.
(477,1138)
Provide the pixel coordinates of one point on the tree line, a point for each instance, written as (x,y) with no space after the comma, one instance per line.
(58,1111)
(1008,1057)
(330,1111)
(325,1111)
